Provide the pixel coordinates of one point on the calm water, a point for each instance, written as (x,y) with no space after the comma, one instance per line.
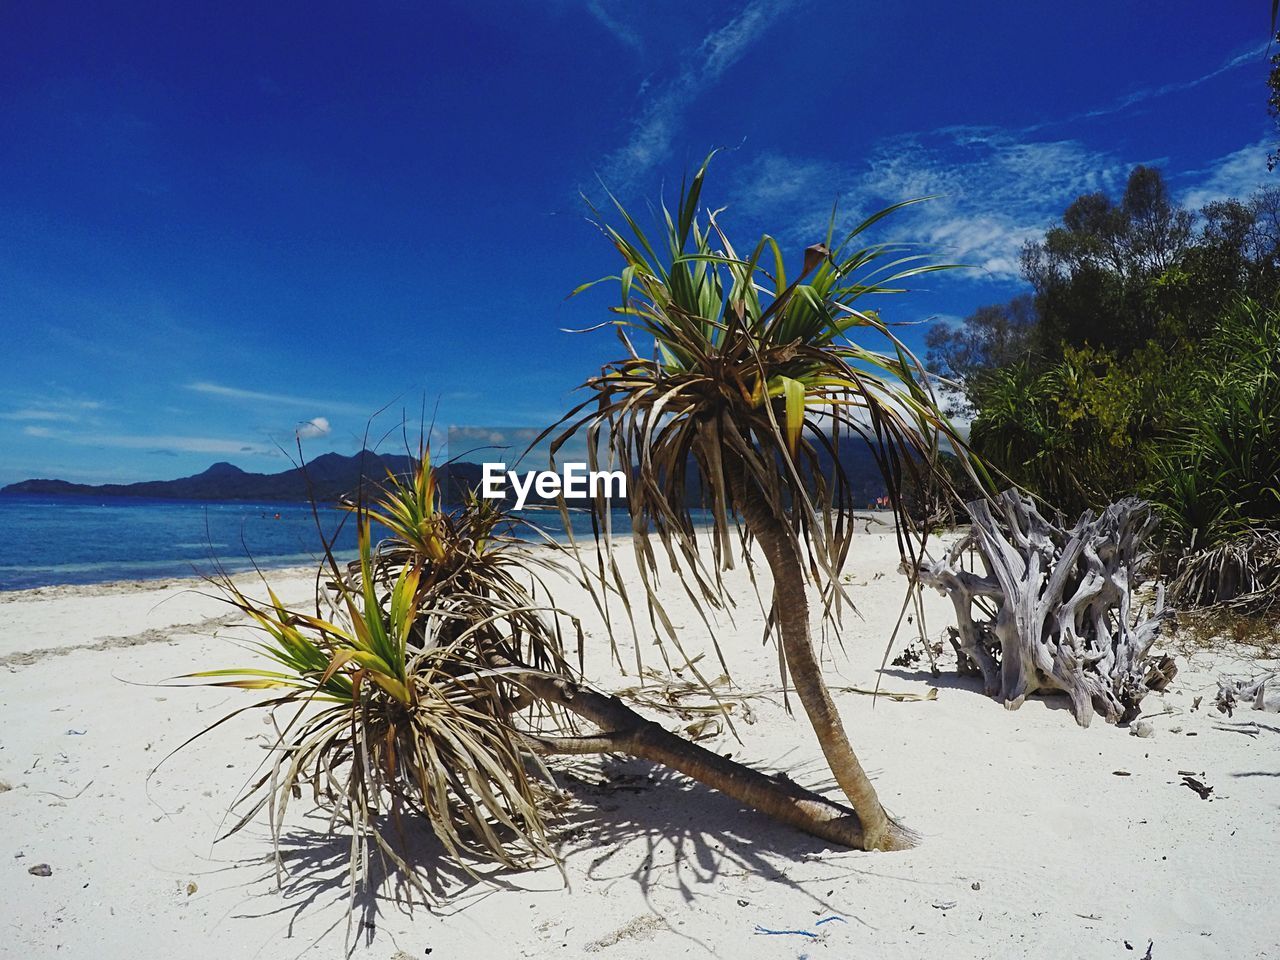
(56,540)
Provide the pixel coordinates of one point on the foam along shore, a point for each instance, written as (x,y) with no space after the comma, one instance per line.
(1039,838)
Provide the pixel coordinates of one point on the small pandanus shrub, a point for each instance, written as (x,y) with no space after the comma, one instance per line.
(471,579)
(395,717)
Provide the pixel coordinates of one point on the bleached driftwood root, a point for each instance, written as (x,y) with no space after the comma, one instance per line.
(1234,692)
(1054,609)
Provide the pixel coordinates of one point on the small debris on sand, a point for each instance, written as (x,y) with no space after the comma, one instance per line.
(639,928)
(40,870)
(1203,789)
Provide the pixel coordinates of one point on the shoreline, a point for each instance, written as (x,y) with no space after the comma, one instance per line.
(132,585)
(178,572)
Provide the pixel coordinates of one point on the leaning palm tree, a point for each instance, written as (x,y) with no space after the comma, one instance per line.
(754,381)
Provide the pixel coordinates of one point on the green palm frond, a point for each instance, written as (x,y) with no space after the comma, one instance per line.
(472,564)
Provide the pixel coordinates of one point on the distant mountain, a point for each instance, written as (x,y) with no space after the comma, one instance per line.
(327,478)
(333,476)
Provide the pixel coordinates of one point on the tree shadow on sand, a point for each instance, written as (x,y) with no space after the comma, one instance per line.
(950,680)
(314,878)
(655,827)
(944,679)
(628,820)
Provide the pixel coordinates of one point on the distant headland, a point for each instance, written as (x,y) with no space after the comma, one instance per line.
(327,478)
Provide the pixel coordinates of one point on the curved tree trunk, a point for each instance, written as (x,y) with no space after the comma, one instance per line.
(791,608)
(625,731)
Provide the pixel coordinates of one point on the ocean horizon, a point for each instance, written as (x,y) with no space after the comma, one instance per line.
(58,540)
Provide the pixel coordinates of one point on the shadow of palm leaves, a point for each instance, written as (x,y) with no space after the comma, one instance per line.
(628,819)
(640,821)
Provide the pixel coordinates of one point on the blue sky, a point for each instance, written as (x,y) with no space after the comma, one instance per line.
(220,223)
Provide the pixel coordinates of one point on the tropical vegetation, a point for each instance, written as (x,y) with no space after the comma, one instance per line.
(1146,361)
(430,682)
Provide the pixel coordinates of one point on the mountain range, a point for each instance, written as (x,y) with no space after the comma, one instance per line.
(333,476)
(327,478)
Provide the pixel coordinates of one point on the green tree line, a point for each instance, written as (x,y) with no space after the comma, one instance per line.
(1145,360)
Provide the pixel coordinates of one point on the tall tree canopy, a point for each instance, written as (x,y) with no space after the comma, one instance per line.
(1116,374)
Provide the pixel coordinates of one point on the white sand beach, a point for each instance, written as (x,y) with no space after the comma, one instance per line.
(1038,838)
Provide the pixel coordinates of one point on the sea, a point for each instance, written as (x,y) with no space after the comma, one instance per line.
(50,540)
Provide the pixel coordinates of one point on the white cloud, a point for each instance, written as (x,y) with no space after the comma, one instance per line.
(992,192)
(282,399)
(604,14)
(213,445)
(1256,55)
(315,427)
(1238,174)
(51,411)
(996,188)
(655,129)
(30,414)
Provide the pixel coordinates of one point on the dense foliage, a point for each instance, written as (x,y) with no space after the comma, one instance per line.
(1146,361)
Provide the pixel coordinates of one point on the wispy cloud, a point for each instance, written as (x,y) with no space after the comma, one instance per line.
(38,415)
(995,188)
(278,399)
(1238,174)
(992,191)
(1254,56)
(154,442)
(52,411)
(657,126)
(606,14)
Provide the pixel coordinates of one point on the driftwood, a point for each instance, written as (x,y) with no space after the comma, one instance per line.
(1234,691)
(1054,608)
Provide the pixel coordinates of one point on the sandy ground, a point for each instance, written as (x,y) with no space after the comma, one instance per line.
(1033,844)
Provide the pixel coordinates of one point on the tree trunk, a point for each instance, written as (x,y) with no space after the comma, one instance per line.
(791,608)
(625,731)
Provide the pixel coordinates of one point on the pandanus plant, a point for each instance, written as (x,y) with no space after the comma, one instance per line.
(754,379)
(432,678)
(400,705)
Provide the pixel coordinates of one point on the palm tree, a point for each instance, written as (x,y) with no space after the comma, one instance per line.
(754,381)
